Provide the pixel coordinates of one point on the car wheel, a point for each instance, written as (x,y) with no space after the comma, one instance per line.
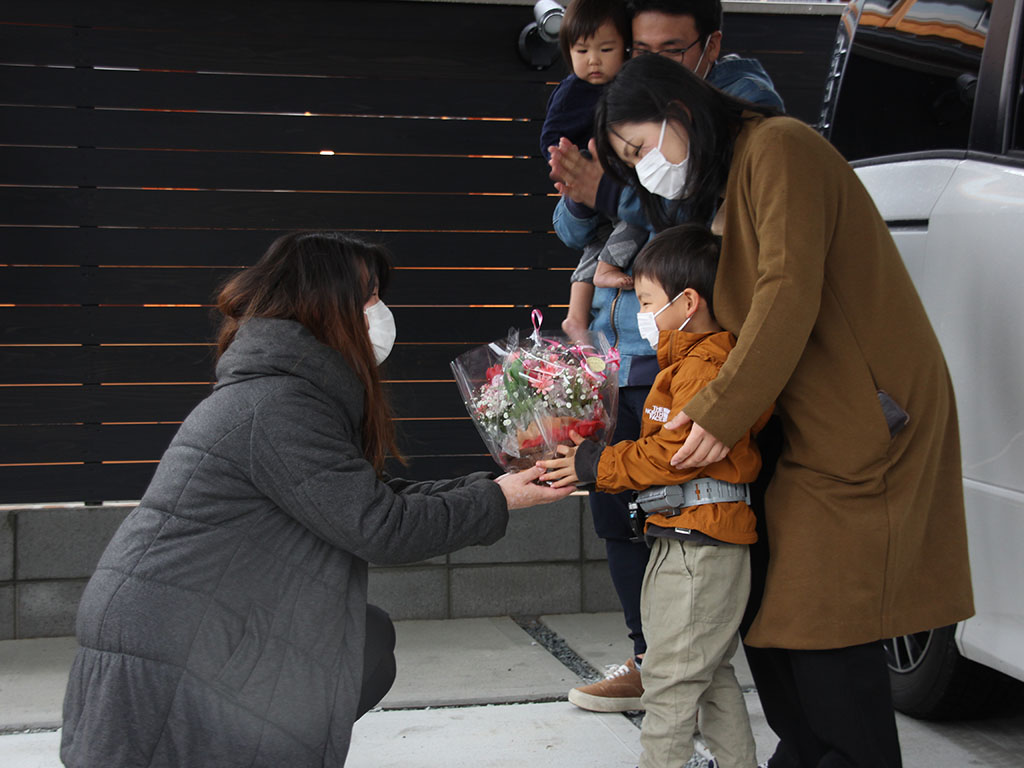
(931,680)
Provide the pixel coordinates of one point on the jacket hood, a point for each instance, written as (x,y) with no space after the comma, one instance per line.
(731,68)
(673,346)
(272,347)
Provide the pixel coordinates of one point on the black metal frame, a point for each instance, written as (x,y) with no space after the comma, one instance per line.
(996,96)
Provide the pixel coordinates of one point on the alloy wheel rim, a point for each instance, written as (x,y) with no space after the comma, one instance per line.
(904,654)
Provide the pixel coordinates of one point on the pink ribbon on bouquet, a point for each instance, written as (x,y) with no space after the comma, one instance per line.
(536,317)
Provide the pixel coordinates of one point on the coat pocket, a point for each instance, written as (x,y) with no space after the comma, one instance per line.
(248,651)
(895,417)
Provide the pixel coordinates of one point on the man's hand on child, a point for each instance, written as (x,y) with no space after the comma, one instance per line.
(700,448)
(561,472)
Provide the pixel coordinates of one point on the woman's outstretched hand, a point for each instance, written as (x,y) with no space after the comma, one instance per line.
(521,490)
(700,447)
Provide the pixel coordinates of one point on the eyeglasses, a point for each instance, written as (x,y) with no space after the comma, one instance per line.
(671,53)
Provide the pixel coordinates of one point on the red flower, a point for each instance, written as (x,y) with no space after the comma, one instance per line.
(588,427)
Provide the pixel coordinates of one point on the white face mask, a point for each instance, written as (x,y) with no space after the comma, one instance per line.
(381,329)
(660,177)
(696,69)
(648,325)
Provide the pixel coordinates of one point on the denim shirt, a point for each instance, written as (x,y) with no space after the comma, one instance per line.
(614,311)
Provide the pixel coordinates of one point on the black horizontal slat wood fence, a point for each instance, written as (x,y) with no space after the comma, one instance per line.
(148,150)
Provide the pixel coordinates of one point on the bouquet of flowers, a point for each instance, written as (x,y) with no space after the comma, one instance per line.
(526,394)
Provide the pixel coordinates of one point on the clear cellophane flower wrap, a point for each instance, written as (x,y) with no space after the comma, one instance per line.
(526,394)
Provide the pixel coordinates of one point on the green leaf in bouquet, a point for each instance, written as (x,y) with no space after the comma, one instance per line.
(514,377)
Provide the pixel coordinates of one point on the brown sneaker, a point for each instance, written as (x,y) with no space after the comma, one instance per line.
(620,691)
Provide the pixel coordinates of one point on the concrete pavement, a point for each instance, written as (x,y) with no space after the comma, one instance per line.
(480,692)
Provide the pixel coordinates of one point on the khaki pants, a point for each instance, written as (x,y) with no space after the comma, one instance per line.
(691,605)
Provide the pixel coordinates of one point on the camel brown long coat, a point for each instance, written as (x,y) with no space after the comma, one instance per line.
(866,531)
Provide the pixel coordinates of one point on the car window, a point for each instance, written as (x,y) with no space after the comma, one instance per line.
(910,78)
(960,15)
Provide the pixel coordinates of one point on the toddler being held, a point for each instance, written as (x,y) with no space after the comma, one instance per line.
(594,36)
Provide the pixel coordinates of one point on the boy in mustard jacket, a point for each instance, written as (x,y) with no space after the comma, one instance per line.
(698,578)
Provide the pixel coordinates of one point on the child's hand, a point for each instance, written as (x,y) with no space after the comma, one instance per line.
(561,472)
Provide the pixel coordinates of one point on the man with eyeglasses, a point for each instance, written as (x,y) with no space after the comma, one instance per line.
(690,32)
(687,31)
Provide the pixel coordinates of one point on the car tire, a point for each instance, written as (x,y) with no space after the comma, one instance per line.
(932,681)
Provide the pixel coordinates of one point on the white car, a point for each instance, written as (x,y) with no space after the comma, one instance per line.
(957,216)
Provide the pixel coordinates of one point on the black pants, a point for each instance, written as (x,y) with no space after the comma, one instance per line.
(378,659)
(829,708)
(627,560)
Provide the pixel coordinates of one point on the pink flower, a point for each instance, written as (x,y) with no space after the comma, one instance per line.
(542,383)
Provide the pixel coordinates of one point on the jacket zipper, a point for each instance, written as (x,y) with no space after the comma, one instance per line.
(615,330)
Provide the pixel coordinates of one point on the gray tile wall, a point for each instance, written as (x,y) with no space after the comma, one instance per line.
(7,546)
(64,543)
(549,561)
(7,613)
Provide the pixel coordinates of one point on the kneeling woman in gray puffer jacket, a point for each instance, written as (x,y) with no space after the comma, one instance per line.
(227,622)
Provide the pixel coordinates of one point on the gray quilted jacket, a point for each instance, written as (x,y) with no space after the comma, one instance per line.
(224,625)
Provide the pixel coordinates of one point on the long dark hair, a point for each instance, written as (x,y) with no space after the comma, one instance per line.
(653,88)
(322,280)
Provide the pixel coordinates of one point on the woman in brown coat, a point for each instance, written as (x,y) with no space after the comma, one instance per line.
(864,514)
